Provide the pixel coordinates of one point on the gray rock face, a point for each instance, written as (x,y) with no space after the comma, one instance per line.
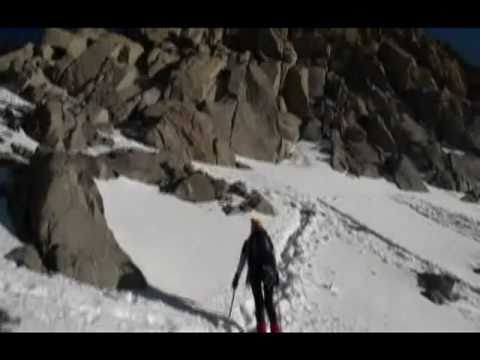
(66,222)
(196,188)
(68,42)
(289,126)
(254,131)
(442,112)
(466,171)
(161,57)
(354,154)
(311,45)
(163,169)
(407,177)
(438,288)
(87,66)
(296,91)
(158,35)
(196,77)
(16,59)
(208,94)
(59,127)
(316,81)
(271,42)
(179,127)
(26,256)
(378,133)
(312,130)
(273,69)
(399,65)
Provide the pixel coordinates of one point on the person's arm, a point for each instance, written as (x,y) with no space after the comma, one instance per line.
(241,265)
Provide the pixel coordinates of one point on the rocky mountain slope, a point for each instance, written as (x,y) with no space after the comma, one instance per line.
(386,103)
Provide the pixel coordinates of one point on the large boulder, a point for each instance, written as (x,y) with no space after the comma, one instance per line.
(245,113)
(445,68)
(196,188)
(472,134)
(91,34)
(16,59)
(289,126)
(422,149)
(64,41)
(336,88)
(258,202)
(273,69)
(312,130)
(214,36)
(400,66)
(432,161)
(38,88)
(466,171)
(180,128)
(443,112)
(66,222)
(438,288)
(364,159)
(254,131)
(196,77)
(450,115)
(408,132)
(271,42)
(57,125)
(55,71)
(164,169)
(339,157)
(472,196)
(406,176)
(252,200)
(311,46)
(316,81)
(129,51)
(295,91)
(161,57)
(26,256)
(47,125)
(116,90)
(365,69)
(158,35)
(378,133)
(195,36)
(87,66)
(222,114)
(455,77)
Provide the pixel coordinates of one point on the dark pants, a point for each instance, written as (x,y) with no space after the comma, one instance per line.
(263,299)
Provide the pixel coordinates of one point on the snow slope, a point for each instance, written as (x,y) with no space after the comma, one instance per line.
(348,251)
(348,262)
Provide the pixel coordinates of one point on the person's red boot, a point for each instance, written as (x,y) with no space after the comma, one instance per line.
(275,328)
(262,327)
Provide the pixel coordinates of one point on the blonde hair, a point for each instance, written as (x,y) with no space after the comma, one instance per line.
(257,222)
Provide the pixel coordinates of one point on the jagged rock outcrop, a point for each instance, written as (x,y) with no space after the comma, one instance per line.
(384,102)
(59,209)
(242,83)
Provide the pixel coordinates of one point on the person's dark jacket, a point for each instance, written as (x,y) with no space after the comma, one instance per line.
(259,252)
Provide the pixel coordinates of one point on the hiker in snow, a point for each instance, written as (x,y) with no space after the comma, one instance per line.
(262,270)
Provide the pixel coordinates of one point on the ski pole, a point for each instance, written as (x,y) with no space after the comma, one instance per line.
(279,313)
(231,305)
